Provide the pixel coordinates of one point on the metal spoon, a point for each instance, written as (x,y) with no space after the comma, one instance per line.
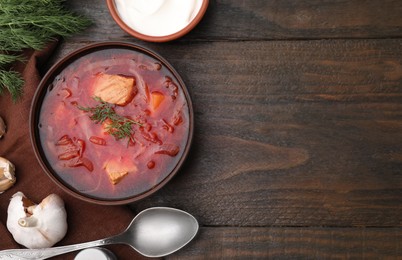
(154,232)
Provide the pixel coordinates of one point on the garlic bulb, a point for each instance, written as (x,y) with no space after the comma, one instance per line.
(37,226)
(7,174)
(2,127)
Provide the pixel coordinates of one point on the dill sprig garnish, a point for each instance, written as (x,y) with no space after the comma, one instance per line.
(116,125)
(30,24)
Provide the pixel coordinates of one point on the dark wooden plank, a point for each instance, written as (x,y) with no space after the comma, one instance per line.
(300,133)
(271,19)
(293,243)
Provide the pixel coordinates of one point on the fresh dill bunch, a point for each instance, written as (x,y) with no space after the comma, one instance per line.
(12,82)
(7,59)
(116,125)
(30,24)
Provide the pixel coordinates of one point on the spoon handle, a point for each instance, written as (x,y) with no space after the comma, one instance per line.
(37,254)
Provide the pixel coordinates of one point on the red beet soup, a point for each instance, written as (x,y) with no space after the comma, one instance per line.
(114,123)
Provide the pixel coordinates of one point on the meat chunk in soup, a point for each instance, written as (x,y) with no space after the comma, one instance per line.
(115,89)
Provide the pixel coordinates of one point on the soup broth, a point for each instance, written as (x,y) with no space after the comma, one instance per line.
(139,135)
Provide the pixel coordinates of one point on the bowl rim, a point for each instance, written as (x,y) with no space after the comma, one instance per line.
(40,93)
(116,17)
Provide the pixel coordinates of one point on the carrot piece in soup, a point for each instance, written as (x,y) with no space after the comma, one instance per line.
(156,99)
(115,89)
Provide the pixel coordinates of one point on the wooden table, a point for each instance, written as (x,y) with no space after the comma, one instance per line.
(298,136)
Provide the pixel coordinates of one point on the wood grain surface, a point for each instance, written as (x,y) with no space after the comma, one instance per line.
(294,243)
(298,126)
(271,19)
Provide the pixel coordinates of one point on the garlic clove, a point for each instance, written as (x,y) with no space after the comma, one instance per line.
(7,174)
(37,226)
(3,127)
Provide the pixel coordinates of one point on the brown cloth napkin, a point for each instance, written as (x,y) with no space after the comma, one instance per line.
(86,221)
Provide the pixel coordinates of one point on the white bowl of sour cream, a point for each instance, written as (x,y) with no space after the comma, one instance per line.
(157,20)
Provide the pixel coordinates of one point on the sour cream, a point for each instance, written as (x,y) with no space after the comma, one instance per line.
(157,17)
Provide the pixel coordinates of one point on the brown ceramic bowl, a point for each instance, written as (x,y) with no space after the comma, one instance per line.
(114,13)
(46,142)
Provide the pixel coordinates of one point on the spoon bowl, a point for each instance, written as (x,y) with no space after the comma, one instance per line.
(154,232)
(160,231)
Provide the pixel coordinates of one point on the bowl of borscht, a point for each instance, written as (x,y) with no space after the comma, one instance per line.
(111,123)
